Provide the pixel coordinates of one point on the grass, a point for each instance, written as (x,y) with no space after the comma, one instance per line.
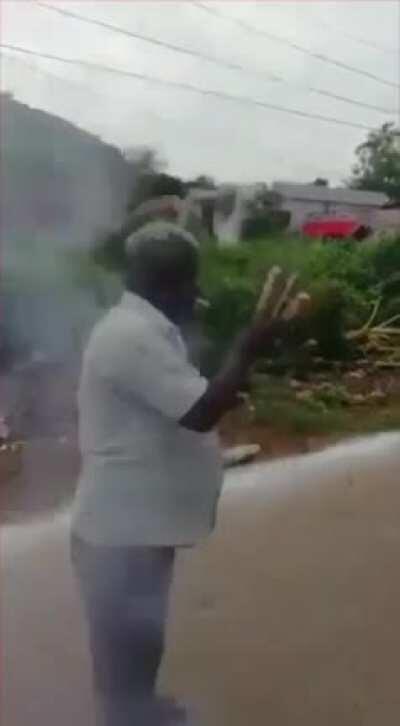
(343,278)
(276,406)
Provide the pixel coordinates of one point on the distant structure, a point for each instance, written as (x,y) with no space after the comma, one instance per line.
(224,210)
(188,213)
(227,212)
(218,213)
(388,220)
(231,211)
(232,205)
(304,201)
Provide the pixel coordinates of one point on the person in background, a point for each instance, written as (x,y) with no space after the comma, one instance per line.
(151,472)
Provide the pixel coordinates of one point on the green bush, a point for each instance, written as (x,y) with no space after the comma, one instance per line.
(232,279)
(276,406)
(385,258)
(344,279)
(271,222)
(326,323)
(345,262)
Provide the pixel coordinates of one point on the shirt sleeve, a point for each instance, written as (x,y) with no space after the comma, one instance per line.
(156,369)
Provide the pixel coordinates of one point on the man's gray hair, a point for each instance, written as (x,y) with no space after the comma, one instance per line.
(159,231)
(160,254)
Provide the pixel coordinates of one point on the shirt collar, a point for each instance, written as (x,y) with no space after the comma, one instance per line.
(131,301)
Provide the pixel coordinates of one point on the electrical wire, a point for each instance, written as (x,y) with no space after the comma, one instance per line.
(266,75)
(180,85)
(367,43)
(37,70)
(250,29)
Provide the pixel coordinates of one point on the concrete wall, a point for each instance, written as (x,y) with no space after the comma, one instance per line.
(387,219)
(301,210)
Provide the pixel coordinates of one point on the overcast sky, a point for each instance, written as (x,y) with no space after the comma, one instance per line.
(201,134)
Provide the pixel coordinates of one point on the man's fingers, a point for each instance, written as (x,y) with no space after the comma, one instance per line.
(297,307)
(272,290)
(269,285)
(279,298)
(285,297)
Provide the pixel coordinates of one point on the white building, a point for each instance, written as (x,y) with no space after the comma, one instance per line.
(306,200)
(229,209)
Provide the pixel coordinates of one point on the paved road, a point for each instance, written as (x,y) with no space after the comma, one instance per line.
(289,616)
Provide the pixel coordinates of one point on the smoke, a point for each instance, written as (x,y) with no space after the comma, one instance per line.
(61,188)
(48,309)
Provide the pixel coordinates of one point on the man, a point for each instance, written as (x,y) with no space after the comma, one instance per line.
(151,468)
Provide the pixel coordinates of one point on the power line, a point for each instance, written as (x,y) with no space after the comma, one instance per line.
(180,85)
(367,43)
(85,88)
(294,46)
(37,70)
(153,41)
(212,59)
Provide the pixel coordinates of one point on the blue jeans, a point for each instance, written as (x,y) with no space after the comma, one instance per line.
(125,596)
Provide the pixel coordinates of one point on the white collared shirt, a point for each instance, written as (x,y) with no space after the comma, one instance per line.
(145,480)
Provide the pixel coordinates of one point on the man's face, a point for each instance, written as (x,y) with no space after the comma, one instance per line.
(184,301)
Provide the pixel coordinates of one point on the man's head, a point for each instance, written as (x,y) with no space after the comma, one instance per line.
(162,266)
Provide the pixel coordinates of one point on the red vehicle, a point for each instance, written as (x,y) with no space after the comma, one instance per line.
(335,228)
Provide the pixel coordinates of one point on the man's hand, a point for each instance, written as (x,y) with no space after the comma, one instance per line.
(279,305)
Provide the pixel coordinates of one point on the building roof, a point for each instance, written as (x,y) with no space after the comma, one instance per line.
(200,195)
(165,203)
(335,195)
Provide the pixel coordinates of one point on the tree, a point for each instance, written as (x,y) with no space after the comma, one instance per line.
(166,185)
(378,162)
(201,182)
(149,179)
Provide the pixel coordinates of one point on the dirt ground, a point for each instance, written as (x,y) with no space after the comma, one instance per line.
(41,475)
(273,443)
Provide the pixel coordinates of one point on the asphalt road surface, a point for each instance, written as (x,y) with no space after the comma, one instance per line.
(289,615)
